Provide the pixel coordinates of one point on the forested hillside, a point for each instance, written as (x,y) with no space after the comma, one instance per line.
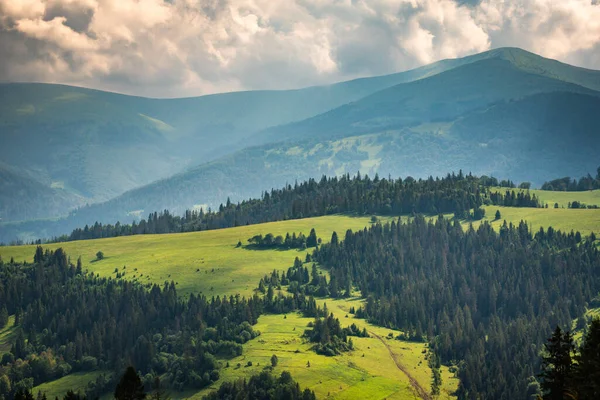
(472,292)
(455,194)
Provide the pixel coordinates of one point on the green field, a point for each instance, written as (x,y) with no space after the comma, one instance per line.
(7,335)
(588,197)
(75,381)
(584,221)
(202,262)
(371,371)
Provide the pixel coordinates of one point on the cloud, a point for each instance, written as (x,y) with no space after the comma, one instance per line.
(168,48)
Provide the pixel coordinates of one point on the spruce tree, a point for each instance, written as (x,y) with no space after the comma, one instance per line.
(587,373)
(130,386)
(557,366)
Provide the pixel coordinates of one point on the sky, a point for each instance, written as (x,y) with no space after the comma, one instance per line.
(176,48)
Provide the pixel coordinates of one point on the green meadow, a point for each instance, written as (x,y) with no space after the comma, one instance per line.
(7,335)
(588,197)
(564,219)
(377,368)
(74,381)
(201,262)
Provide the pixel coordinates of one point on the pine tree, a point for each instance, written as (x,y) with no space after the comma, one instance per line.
(587,370)
(130,386)
(557,366)
(3,317)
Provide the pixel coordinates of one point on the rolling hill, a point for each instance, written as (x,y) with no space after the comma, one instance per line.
(98,145)
(506,112)
(33,199)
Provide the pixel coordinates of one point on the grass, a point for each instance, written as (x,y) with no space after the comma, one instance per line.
(367,372)
(7,334)
(588,197)
(584,221)
(206,262)
(76,381)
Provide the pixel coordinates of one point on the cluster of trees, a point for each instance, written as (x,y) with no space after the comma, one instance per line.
(471,291)
(293,241)
(455,193)
(514,199)
(578,204)
(330,338)
(70,321)
(263,386)
(567,184)
(569,371)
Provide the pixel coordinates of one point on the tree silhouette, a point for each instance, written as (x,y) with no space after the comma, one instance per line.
(130,386)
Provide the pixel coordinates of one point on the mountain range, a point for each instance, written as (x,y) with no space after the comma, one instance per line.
(506,112)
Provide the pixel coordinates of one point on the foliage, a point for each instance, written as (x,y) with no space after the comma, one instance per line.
(470,291)
(567,185)
(130,386)
(263,386)
(455,193)
(91,323)
(571,372)
(329,336)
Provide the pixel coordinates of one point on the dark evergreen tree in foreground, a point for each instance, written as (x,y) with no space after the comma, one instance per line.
(569,372)
(587,367)
(558,368)
(130,386)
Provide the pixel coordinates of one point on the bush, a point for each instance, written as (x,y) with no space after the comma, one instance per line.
(99,255)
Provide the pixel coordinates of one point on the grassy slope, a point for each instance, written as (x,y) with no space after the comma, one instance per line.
(589,197)
(160,258)
(348,376)
(76,381)
(584,221)
(7,334)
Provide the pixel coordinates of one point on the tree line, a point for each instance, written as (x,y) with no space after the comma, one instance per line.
(293,241)
(455,193)
(484,298)
(567,184)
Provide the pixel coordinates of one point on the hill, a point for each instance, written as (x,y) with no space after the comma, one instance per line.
(487,113)
(503,140)
(23,198)
(440,98)
(98,144)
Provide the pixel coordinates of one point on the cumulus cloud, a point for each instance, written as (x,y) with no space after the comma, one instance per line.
(168,48)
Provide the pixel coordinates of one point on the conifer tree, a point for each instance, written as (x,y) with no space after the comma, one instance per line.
(130,386)
(587,373)
(558,368)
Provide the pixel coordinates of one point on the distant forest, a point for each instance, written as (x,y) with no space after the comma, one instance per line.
(567,184)
(457,194)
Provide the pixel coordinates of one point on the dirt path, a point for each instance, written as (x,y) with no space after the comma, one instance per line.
(416,386)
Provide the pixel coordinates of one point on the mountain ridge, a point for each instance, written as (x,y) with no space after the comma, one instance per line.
(466,117)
